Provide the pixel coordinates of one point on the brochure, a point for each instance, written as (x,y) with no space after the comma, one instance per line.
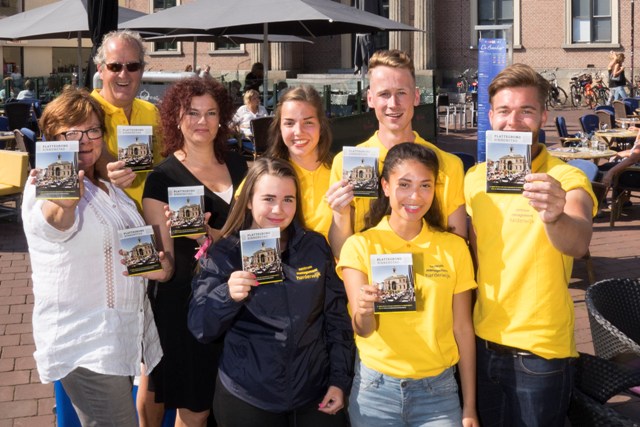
(508,160)
(360,168)
(135,147)
(261,254)
(139,250)
(393,275)
(58,164)
(187,210)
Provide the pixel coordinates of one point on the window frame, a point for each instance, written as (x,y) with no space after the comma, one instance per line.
(475,20)
(153,51)
(615,28)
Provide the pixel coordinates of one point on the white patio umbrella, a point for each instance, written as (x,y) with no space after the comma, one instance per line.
(307,18)
(236,39)
(65,19)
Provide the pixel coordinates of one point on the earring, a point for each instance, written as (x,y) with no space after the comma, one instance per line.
(178,127)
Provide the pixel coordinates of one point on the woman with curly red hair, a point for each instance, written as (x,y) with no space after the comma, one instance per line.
(195,113)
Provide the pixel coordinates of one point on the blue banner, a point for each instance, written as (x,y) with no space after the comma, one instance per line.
(492,58)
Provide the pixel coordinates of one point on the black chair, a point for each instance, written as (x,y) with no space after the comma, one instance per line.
(613,306)
(18,113)
(260,131)
(566,140)
(4,124)
(590,123)
(596,381)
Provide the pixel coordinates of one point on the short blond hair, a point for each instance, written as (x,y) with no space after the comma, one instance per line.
(392,58)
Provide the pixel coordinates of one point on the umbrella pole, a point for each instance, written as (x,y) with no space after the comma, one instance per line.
(195,52)
(80,76)
(265,56)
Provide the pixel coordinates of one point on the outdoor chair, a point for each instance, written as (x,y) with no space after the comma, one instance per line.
(605,117)
(613,306)
(260,131)
(446,111)
(620,109)
(4,124)
(606,108)
(624,185)
(630,105)
(596,381)
(18,113)
(566,140)
(26,142)
(13,176)
(590,123)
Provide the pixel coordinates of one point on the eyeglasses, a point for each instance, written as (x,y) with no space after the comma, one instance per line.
(76,135)
(132,67)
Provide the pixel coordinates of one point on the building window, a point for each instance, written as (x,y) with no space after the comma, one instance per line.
(592,22)
(224,46)
(164,47)
(495,12)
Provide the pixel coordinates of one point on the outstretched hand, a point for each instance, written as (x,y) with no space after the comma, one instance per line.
(545,195)
(339,196)
(119,175)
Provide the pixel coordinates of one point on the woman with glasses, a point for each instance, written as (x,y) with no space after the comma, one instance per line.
(247,112)
(195,114)
(91,323)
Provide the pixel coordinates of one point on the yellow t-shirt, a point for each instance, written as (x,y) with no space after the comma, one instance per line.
(414,344)
(448,187)
(142,113)
(523,300)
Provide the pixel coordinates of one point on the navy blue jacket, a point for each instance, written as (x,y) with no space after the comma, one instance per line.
(287,342)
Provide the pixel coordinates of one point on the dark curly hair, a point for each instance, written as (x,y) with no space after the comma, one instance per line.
(177,100)
(398,154)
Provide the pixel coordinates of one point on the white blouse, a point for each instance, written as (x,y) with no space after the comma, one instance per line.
(86,312)
(243,118)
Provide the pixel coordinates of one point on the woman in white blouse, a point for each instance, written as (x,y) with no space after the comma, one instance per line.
(249,111)
(92,324)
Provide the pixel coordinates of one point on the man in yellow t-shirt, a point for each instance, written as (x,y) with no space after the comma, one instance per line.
(393,95)
(120,62)
(525,245)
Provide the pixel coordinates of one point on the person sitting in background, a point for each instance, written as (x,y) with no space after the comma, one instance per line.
(28,92)
(205,72)
(235,94)
(92,325)
(253,80)
(249,111)
(281,89)
(4,96)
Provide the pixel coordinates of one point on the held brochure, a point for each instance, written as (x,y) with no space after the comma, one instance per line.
(187,210)
(393,275)
(58,165)
(360,168)
(508,161)
(139,250)
(261,254)
(135,147)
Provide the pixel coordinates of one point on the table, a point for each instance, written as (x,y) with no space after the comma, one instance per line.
(628,121)
(570,153)
(608,135)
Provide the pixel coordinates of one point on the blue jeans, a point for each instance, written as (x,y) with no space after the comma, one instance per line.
(515,390)
(380,400)
(617,93)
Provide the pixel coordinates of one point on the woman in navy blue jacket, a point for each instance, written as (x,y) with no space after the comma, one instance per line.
(288,350)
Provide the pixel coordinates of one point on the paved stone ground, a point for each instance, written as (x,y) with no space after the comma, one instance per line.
(26,402)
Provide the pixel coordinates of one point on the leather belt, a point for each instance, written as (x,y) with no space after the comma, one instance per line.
(505,349)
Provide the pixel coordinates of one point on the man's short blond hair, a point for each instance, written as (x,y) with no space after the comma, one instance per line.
(394,59)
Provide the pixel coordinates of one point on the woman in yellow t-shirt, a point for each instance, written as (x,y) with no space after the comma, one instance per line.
(405,369)
(300,133)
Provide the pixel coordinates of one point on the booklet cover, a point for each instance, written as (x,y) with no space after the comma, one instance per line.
(58,164)
(187,210)
(360,168)
(508,160)
(393,275)
(139,250)
(261,254)
(135,147)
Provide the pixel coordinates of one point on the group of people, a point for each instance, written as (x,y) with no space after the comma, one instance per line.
(310,350)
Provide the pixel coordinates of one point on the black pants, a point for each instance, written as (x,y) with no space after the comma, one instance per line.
(233,412)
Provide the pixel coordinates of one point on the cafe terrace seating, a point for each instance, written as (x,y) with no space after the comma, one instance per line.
(13,176)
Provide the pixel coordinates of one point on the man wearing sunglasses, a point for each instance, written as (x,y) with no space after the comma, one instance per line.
(120,63)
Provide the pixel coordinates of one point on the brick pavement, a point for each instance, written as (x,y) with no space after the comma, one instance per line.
(26,402)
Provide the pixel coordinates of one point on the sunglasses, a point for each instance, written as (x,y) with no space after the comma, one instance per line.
(132,67)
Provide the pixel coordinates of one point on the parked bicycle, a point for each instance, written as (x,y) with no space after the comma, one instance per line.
(468,81)
(600,89)
(557,96)
(581,91)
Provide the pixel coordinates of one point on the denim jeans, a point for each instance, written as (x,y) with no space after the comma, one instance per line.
(380,400)
(522,390)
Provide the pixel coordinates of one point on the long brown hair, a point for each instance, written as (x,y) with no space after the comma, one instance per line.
(305,93)
(398,154)
(240,217)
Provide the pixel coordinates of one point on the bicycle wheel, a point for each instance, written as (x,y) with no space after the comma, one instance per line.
(575,96)
(561,97)
(602,96)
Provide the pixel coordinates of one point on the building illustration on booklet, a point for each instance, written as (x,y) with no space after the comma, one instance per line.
(58,165)
(508,161)
(187,210)
(138,248)
(261,254)
(135,147)
(360,168)
(393,275)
